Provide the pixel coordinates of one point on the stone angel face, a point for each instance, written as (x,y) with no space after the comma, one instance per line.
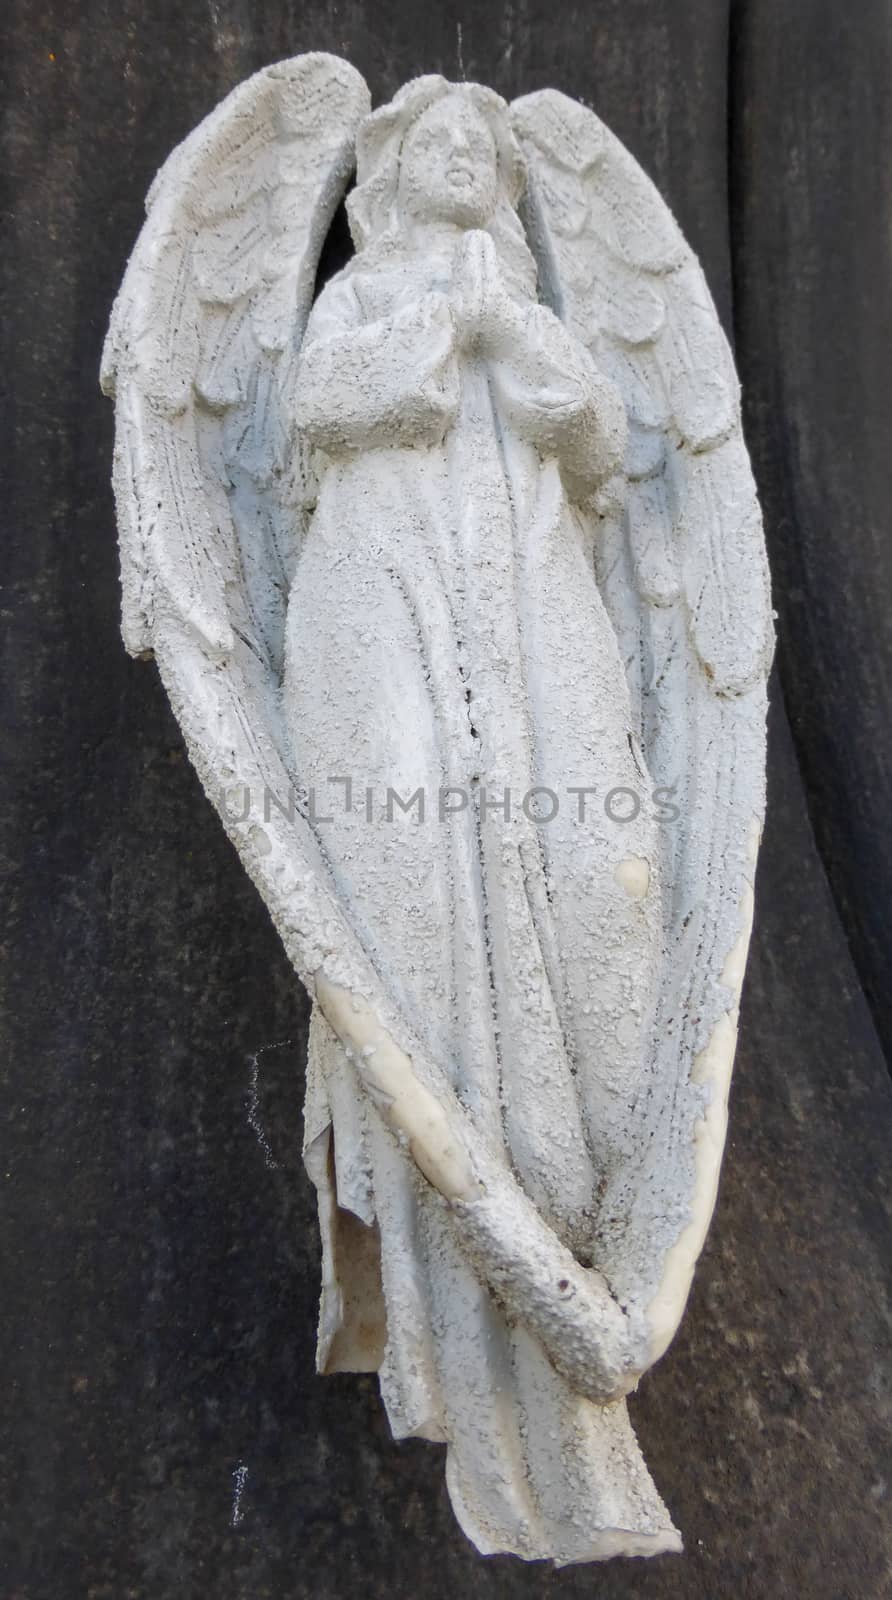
(449,165)
(462,563)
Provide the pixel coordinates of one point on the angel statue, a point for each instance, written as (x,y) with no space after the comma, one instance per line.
(456,572)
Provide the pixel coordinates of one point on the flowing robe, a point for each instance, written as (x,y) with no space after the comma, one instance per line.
(447,641)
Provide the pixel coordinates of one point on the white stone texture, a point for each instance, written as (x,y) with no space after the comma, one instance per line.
(479,519)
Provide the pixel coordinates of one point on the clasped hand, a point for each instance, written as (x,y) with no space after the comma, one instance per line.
(483,312)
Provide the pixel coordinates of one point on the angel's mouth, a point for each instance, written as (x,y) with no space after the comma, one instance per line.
(461,176)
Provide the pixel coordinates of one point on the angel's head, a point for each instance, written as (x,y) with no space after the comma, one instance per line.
(449,165)
(440,152)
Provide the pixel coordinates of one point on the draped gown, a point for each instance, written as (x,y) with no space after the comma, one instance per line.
(446,635)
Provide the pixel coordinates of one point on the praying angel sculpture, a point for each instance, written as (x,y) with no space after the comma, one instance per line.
(464,556)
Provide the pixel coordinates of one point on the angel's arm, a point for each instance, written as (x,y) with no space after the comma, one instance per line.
(548,386)
(553,394)
(363,384)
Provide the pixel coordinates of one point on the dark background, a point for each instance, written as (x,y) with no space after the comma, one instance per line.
(158,1237)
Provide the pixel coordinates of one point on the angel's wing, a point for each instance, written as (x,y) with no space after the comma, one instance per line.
(210,475)
(683,573)
(201,352)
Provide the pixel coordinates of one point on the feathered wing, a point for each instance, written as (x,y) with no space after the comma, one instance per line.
(210,475)
(681,566)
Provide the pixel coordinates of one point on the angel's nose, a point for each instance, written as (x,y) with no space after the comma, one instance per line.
(460,141)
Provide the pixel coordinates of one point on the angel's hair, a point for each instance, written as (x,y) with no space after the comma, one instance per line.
(372,208)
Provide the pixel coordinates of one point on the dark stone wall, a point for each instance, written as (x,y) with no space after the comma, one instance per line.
(158,1237)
